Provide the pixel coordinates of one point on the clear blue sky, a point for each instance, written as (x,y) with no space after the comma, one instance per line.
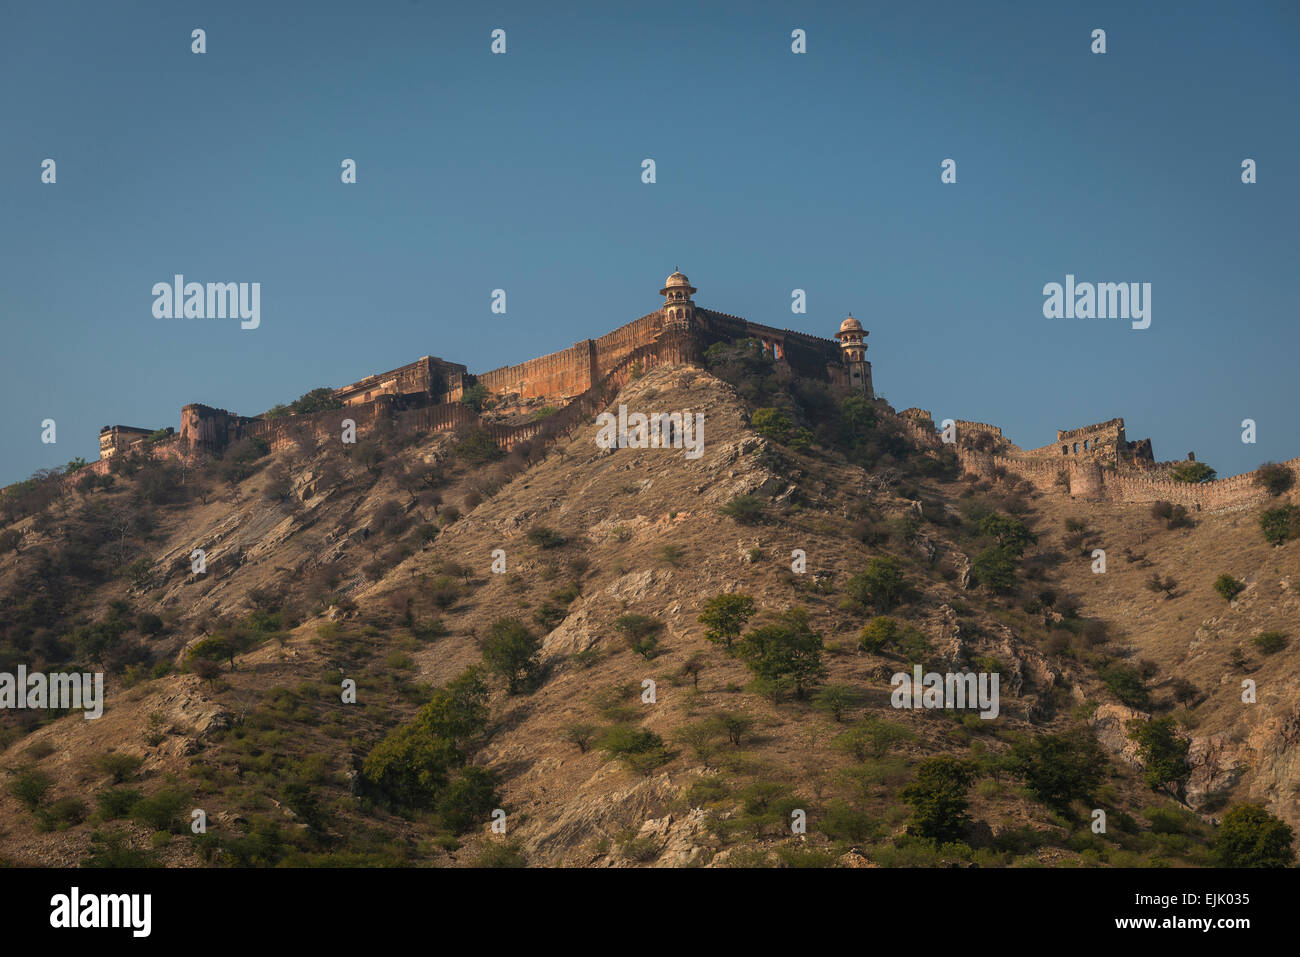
(775,171)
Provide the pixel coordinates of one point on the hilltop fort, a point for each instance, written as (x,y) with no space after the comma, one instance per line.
(545,396)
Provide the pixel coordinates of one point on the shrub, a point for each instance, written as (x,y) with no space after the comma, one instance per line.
(31,787)
(1280,524)
(544,537)
(1270,642)
(701,737)
(580,734)
(1184,691)
(840,822)
(737,724)
(1252,837)
(1166,585)
(1125,683)
(111,850)
(548,615)
(1009,533)
(503,854)
(638,748)
(477,447)
(745,509)
(1228,587)
(120,766)
(1274,478)
(160,812)
(772,424)
(61,815)
(117,802)
(641,633)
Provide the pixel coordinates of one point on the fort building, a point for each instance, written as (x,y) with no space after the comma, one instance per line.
(118,438)
(1093,461)
(428,376)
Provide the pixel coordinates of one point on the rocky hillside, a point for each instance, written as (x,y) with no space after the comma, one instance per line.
(289,690)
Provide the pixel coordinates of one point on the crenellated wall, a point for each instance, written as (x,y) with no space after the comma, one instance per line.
(558,376)
(1089,480)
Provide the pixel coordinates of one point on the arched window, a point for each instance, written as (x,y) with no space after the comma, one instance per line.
(1065,450)
(1076,448)
(1085,445)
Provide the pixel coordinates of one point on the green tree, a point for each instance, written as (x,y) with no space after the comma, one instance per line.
(882,585)
(772,424)
(1163,753)
(938,799)
(879,633)
(871,737)
(475,396)
(218,647)
(786,653)
(724,617)
(737,724)
(512,651)
(1252,837)
(1010,533)
(1059,769)
(321,399)
(835,700)
(995,568)
(411,766)
(469,799)
(1192,472)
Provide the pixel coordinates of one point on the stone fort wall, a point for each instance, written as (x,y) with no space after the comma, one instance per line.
(1089,480)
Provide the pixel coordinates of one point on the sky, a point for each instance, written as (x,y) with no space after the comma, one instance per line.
(775,171)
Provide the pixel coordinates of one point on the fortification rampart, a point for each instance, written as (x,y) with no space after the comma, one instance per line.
(1088,479)
(613,347)
(559,375)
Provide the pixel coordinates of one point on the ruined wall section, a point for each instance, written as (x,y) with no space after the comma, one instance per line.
(1103,440)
